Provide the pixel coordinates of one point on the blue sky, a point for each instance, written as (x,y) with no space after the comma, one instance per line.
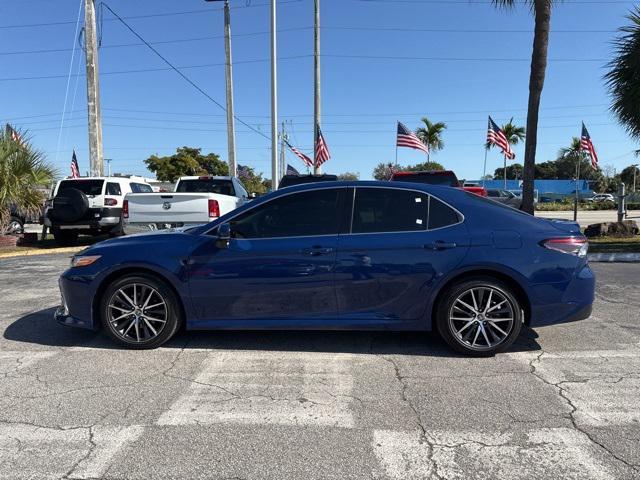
(472,60)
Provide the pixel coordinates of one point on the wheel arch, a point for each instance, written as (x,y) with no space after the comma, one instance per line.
(132,270)
(485,271)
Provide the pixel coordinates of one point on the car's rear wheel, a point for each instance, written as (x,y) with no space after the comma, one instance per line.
(15,227)
(140,311)
(479,316)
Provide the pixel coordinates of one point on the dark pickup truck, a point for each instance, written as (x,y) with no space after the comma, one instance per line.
(436,177)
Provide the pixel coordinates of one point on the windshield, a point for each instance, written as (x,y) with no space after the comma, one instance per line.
(208,185)
(88,187)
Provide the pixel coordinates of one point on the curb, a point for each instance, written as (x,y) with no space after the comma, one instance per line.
(37,251)
(619,257)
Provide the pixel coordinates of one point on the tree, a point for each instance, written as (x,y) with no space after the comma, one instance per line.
(514,136)
(186,161)
(425,166)
(627,177)
(252,181)
(22,170)
(542,15)
(383,171)
(547,170)
(349,176)
(623,77)
(431,135)
(567,166)
(513,171)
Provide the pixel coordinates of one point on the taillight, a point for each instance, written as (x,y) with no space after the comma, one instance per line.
(572,245)
(110,202)
(125,209)
(214,209)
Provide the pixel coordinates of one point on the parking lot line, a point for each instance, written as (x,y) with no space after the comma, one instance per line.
(268,387)
(542,453)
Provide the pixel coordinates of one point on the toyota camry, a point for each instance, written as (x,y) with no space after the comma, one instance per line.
(339,256)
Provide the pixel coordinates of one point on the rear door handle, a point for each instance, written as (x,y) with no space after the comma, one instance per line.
(440,245)
(316,251)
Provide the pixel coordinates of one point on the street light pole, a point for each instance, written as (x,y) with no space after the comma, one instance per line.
(274,101)
(635,171)
(231,131)
(316,84)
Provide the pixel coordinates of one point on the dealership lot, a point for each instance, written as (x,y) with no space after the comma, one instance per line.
(563,403)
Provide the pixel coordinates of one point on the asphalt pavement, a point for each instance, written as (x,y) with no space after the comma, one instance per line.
(564,402)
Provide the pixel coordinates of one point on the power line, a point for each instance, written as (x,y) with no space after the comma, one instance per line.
(179,72)
(150,15)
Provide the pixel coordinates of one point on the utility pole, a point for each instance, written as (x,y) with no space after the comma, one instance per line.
(274,102)
(316,82)
(231,129)
(635,171)
(93,90)
(108,160)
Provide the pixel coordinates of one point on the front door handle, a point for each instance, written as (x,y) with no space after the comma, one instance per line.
(316,251)
(440,245)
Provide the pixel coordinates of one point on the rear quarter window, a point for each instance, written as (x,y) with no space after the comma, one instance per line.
(441,215)
(141,188)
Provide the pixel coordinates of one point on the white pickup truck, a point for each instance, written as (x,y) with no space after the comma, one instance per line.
(196,200)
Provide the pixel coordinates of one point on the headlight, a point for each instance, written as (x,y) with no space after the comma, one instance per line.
(84,260)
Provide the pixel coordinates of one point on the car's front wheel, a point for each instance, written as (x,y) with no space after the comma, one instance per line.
(479,316)
(140,311)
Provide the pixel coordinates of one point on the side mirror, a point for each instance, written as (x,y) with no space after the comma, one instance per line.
(253,195)
(224,236)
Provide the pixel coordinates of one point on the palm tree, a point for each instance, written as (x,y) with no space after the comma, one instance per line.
(542,15)
(431,135)
(22,171)
(623,78)
(514,136)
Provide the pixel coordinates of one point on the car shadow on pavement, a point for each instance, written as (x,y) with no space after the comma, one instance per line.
(41,329)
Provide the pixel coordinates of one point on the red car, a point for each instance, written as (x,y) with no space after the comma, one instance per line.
(436,177)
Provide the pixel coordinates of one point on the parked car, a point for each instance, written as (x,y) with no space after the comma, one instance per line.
(196,200)
(602,197)
(291,180)
(343,256)
(89,205)
(505,197)
(437,177)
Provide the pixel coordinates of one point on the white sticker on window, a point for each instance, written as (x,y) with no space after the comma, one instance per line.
(418,200)
(419,221)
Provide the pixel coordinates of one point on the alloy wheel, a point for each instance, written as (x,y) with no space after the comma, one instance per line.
(137,313)
(14,228)
(481,318)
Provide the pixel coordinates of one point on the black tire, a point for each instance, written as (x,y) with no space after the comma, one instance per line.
(16,226)
(446,309)
(65,238)
(173,312)
(69,205)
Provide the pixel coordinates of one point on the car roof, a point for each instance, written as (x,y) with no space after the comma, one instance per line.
(208,177)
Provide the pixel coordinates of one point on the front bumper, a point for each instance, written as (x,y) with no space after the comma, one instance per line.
(76,309)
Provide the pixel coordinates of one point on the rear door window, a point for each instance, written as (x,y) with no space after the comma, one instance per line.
(389,210)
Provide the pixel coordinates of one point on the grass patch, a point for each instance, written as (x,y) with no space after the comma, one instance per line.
(614,244)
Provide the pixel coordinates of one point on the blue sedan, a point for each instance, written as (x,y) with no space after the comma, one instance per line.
(340,256)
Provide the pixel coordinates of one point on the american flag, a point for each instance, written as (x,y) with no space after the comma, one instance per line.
(307,161)
(75,170)
(406,138)
(244,172)
(15,135)
(495,136)
(586,145)
(321,150)
(291,170)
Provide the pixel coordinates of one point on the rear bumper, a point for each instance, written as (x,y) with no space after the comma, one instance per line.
(566,302)
(96,218)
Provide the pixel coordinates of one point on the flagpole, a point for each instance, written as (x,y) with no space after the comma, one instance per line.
(505,171)
(484,170)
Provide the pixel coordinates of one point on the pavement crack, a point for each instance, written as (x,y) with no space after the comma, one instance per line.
(564,394)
